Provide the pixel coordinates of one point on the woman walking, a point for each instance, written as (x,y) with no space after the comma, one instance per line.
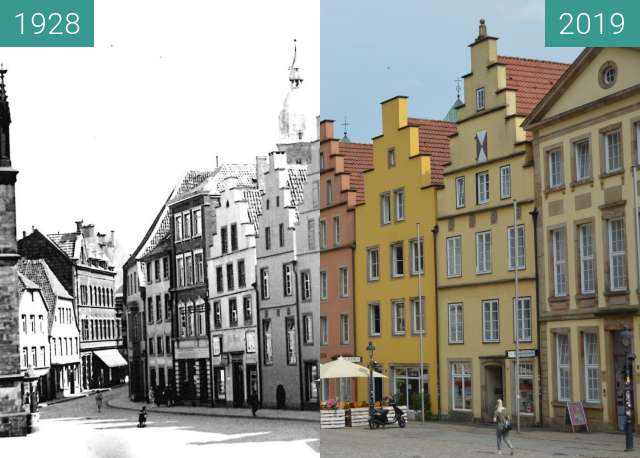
(99,401)
(503,426)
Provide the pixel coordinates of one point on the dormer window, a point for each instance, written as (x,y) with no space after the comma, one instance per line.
(480,99)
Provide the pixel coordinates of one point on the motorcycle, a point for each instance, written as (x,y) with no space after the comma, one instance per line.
(380,417)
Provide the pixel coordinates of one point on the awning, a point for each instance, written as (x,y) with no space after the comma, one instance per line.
(341,368)
(111,358)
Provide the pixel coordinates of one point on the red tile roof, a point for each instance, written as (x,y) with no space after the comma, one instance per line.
(358,157)
(531,78)
(434,141)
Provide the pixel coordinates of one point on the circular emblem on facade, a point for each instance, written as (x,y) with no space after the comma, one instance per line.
(608,74)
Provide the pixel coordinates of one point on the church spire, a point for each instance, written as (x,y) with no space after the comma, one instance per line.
(5,120)
(294,72)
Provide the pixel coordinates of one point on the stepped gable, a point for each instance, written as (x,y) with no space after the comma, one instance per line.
(254,197)
(434,142)
(358,157)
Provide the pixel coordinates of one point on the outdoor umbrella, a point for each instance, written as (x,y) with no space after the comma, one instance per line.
(341,368)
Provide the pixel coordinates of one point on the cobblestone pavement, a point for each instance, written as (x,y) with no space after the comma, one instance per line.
(454,440)
(75,429)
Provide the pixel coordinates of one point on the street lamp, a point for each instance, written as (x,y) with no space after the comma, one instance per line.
(370,349)
(626,337)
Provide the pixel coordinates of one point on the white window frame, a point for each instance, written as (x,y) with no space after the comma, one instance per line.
(324,285)
(373,266)
(288,280)
(483,252)
(454,256)
(460,192)
(324,331)
(563,369)
(417,256)
(344,329)
(591,368)
(399,201)
(616,255)
(417,316)
(264,283)
(559,250)
(505,182)
(372,307)
(482,188)
(480,99)
(395,261)
(329,196)
(323,234)
(336,231)
(178,227)
(582,154)
(385,208)
(306,285)
(456,323)
(343,276)
(521,256)
(608,166)
(523,319)
(399,318)
(586,252)
(462,375)
(391,157)
(554,158)
(490,320)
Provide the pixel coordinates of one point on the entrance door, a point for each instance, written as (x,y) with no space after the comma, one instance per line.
(252,379)
(72,381)
(619,372)
(204,381)
(238,383)
(494,389)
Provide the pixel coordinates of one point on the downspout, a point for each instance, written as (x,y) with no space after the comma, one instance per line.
(534,216)
(300,374)
(434,231)
(353,306)
(258,335)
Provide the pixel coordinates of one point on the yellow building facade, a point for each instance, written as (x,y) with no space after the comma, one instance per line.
(586,145)
(478,248)
(400,192)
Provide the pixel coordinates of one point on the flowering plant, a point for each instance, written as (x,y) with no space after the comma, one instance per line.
(332,404)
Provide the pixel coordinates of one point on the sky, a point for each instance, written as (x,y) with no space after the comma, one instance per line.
(103,134)
(372,50)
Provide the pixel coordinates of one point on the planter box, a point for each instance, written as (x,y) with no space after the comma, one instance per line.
(332,419)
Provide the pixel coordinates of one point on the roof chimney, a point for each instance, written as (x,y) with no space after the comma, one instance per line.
(216,161)
(482,30)
(79,226)
(113,238)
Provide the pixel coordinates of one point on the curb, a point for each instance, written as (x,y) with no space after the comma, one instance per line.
(85,394)
(221,415)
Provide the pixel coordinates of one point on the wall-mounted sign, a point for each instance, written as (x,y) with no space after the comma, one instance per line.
(511,354)
(251,342)
(352,359)
(217,346)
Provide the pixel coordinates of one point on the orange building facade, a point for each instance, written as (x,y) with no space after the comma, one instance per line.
(341,188)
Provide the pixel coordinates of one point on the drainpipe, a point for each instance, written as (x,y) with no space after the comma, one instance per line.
(258,335)
(300,374)
(434,231)
(534,216)
(353,305)
(636,220)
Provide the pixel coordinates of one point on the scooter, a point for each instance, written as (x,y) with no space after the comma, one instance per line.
(380,417)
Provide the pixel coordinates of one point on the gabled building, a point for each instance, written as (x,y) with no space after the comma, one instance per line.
(394,310)
(231,271)
(62,329)
(482,243)
(82,262)
(586,149)
(341,188)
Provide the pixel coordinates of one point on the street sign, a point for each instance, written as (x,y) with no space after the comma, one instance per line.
(511,354)
(351,359)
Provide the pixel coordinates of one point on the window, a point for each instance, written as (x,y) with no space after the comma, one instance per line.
(267,238)
(490,323)
(25,357)
(454,256)
(608,75)
(305,280)
(267,351)
(178,227)
(555,168)
(315,194)
(374,319)
(187,224)
(324,331)
(217,314)
(159,345)
(559,263)
(234,237)
(505,182)
(242,276)
(290,338)
(613,157)
(482,187)
(167,346)
(322,166)
(34,356)
(456,323)
(385,208)
(480,99)
(563,368)
(399,327)
(483,252)
(461,386)
(219,279)
(329,193)
(516,254)
(323,234)
(230,279)
(526,388)
(156,268)
(344,329)
(417,257)
(281,234)
(417,316)
(397,260)
(399,199)
(373,265)
(311,234)
(307,333)
(336,231)
(224,240)
(617,271)
(233,312)
(343,276)
(324,287)
(159,308)
(151,352)
(391,158)
(248,311)
(188,260)
(591,367)
(264,283)
(197,222)
(587,279)
(460,196)
(167,307)
(199,267)
(583,160)
(288,279)
(32,319)
(165,267)
(523,318)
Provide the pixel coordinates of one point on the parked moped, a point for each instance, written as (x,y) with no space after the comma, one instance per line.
(380,417)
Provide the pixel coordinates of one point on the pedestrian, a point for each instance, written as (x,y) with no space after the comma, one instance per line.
(142,417)
(253,401)
(503,426)
(99,401)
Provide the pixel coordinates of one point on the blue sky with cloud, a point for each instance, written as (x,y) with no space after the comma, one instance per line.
(374,49)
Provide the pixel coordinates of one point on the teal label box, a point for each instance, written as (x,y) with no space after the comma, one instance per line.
(46,23)
(592,23)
